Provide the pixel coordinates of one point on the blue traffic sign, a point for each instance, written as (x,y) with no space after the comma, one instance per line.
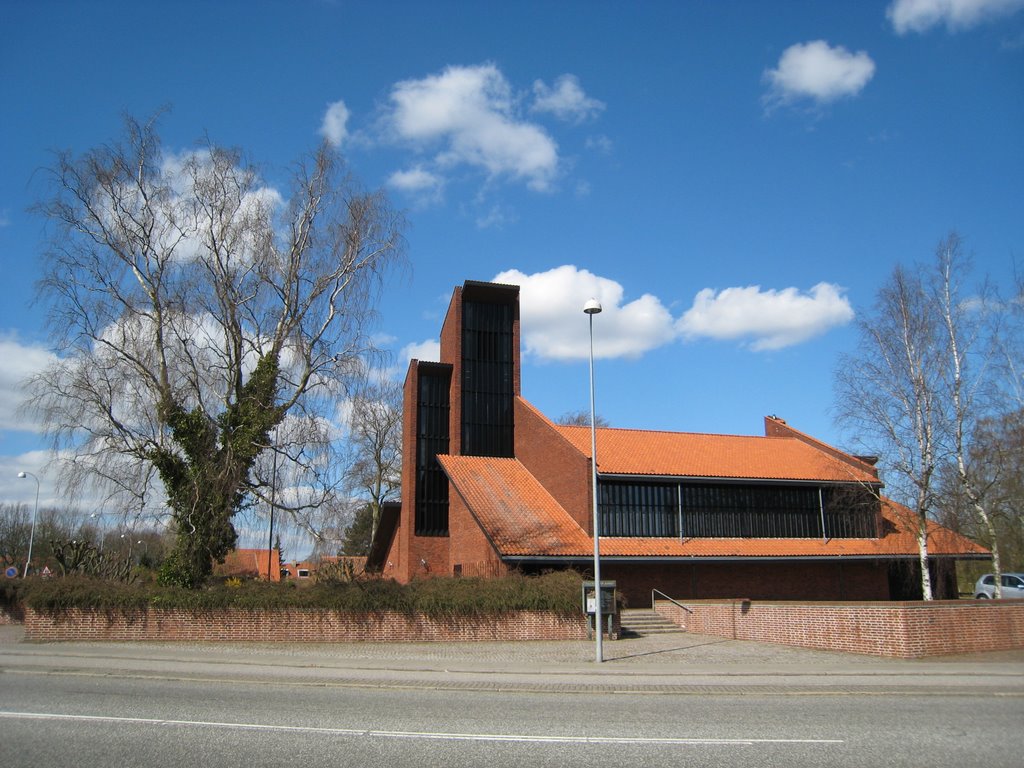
(11,573)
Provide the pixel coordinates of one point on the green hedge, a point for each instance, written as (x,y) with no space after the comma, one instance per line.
(557,591)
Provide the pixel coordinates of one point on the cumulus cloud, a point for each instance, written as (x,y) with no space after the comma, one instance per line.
(554,327)
(921,15)
(429,350)
(424,186)
(179,226)
(818,72)
(467,116)
(334,127)
(767,319)
(20,362)
(566,100)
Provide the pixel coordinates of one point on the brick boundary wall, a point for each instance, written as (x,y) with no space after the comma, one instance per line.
(906,630)
(297,626)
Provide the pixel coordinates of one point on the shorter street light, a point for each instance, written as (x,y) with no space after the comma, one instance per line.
(35,512)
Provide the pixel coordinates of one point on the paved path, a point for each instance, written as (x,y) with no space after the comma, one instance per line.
(680,663)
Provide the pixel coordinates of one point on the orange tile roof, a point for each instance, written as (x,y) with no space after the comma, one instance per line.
(521,519)
(514,510)
(685,454)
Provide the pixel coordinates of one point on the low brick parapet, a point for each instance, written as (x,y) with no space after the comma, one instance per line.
(897,629)
(297,626)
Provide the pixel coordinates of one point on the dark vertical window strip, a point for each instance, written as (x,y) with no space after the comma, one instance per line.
(487,379)
(431,440)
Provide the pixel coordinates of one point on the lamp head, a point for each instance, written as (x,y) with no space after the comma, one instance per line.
(592,307)
(22,475)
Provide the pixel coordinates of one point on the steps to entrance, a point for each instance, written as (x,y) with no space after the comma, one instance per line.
(639,622)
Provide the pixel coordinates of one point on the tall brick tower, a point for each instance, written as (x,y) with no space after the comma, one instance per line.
(463,405)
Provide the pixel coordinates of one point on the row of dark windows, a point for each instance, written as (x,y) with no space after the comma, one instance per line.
(713,510)
(487,379)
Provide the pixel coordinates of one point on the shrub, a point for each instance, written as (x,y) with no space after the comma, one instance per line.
(557,591)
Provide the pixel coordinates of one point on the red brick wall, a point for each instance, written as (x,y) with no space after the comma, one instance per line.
(799,580)
(408,551)
(470,549)
(398,558)
(451,353)
(298,626)
(559,467)
(898,629)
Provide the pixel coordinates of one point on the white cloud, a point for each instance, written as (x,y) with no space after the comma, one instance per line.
(769,319)
(20,362)
(496,217)
(22,490)
(554,327)
(566,100)
(422,184)
(429,350)
(818,72)
(467,117)
(600,144)
(334,127)
(921,15)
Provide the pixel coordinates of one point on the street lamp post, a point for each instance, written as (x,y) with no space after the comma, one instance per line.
(592,308)
(32,530)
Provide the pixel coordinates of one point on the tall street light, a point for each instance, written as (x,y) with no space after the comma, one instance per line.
(592,308)
(35,512)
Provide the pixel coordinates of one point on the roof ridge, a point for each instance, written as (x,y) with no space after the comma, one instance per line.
(664,431)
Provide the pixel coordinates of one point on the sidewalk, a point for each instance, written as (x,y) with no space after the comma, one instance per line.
(677,663)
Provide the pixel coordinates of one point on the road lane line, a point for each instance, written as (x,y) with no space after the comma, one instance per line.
(426,735)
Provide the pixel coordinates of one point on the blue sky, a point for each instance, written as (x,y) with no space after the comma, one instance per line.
(733,180)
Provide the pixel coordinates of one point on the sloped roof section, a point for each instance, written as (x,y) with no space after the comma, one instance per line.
(686,454)
(514,510)
(523,521)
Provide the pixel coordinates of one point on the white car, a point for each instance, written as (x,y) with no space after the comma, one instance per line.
(1013,586)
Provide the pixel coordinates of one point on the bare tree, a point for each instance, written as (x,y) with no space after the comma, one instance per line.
(969,385)
(926,387)
(581,419)
(888,394)
(203,321)
(15,520)
(375,438)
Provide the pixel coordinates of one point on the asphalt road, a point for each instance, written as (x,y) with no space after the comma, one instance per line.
(89,718)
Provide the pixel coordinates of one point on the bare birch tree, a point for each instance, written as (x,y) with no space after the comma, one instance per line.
(200,314)
(968,374)
(888,395)
(934,371)
(375,437)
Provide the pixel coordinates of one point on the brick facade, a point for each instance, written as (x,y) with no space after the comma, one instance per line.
(792,580)
(906,630)
(559,467)
(297,627)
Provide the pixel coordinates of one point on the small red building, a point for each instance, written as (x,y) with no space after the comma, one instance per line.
(251,563)
(489,484)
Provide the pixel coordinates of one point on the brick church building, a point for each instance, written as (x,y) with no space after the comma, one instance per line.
(490,485)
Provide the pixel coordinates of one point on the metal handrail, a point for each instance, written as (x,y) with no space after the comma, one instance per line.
(675,602)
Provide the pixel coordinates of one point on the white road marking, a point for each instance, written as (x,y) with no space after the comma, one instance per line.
(437,736)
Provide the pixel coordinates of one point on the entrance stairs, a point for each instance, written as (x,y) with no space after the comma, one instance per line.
(640,622)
